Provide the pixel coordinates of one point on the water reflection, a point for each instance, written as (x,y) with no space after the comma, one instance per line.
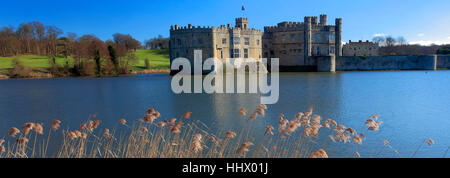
(413,104)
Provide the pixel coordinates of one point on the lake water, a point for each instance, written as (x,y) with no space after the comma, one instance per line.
(414,105)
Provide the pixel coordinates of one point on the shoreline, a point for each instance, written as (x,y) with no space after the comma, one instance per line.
(48,75)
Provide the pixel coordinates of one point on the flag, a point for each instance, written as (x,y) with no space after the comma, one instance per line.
(243,8)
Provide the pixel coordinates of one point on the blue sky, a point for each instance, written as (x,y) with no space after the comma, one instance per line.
(419,21)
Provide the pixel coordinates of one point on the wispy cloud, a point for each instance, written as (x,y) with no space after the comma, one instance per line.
(420,35)
(430,42)
(379,34)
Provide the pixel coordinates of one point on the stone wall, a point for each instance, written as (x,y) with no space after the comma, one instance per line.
(443,62)
(326,63)
(355,63)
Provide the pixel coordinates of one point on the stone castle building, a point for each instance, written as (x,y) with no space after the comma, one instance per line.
(360,48)
(294,43)
(221,42)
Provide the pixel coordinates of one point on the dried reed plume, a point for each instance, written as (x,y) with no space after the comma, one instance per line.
(2,148)
(27,127)
(38,129)
(72,135)
(429,141)
(55,125)
(196,143)
(106,133)
(268,130)
(320,153)
(187,115)
(243,111)
(244,148)
(357,139)
(13,131)
(230,134)
(123,121)
(22,140)
(373,124)
(176,127)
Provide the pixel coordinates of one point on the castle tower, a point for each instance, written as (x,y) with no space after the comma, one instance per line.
(315,20)
(323,19)
(308,46)
(338,37)
(242,23)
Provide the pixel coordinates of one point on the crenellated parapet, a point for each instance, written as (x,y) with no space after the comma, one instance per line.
(313,21)
(190,28)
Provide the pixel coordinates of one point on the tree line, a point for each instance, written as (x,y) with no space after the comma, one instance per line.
(91,55)
(157,43)
(399,46)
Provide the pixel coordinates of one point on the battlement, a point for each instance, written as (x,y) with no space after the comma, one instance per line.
(191,28)
(294,26)
(360,42)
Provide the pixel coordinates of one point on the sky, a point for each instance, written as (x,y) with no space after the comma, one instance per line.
(419,21)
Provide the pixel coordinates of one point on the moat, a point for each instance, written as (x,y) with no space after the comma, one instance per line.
(413,105)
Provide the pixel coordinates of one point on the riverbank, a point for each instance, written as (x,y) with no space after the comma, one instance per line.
(39,67)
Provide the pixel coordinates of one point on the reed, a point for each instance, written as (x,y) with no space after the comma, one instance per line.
(304,136)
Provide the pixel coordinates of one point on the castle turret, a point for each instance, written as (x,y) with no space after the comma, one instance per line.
(308,47)
(315,20)
(323,19)
(242,23)
(338,37)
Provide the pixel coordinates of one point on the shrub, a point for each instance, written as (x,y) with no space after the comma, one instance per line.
(19,70)
(147,63)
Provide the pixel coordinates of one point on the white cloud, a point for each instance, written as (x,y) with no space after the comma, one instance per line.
(379,34)
(429,42)
(420,34)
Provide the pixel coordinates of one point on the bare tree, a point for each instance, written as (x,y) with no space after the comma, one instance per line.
(401,41)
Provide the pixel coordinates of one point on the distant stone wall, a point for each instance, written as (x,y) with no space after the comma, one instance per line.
(355,63)
(443,62)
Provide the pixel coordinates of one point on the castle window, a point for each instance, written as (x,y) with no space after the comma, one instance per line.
(200,41)
(221,54)
(245,53)
(257,42)
(236,53)
(179,41)
(318,38)
(236,40)
(247,41)
(224,41)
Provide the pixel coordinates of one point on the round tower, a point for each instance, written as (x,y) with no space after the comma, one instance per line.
(307,37)
(338,37)
(323,19)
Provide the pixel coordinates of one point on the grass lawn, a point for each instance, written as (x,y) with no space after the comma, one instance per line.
(159,59)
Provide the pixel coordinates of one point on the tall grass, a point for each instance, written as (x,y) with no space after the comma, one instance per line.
(152,137)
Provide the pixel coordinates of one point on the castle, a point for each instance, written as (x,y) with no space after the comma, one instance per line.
(360,48)
(295,42)
(292,42)
(221,42)
(311,45)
